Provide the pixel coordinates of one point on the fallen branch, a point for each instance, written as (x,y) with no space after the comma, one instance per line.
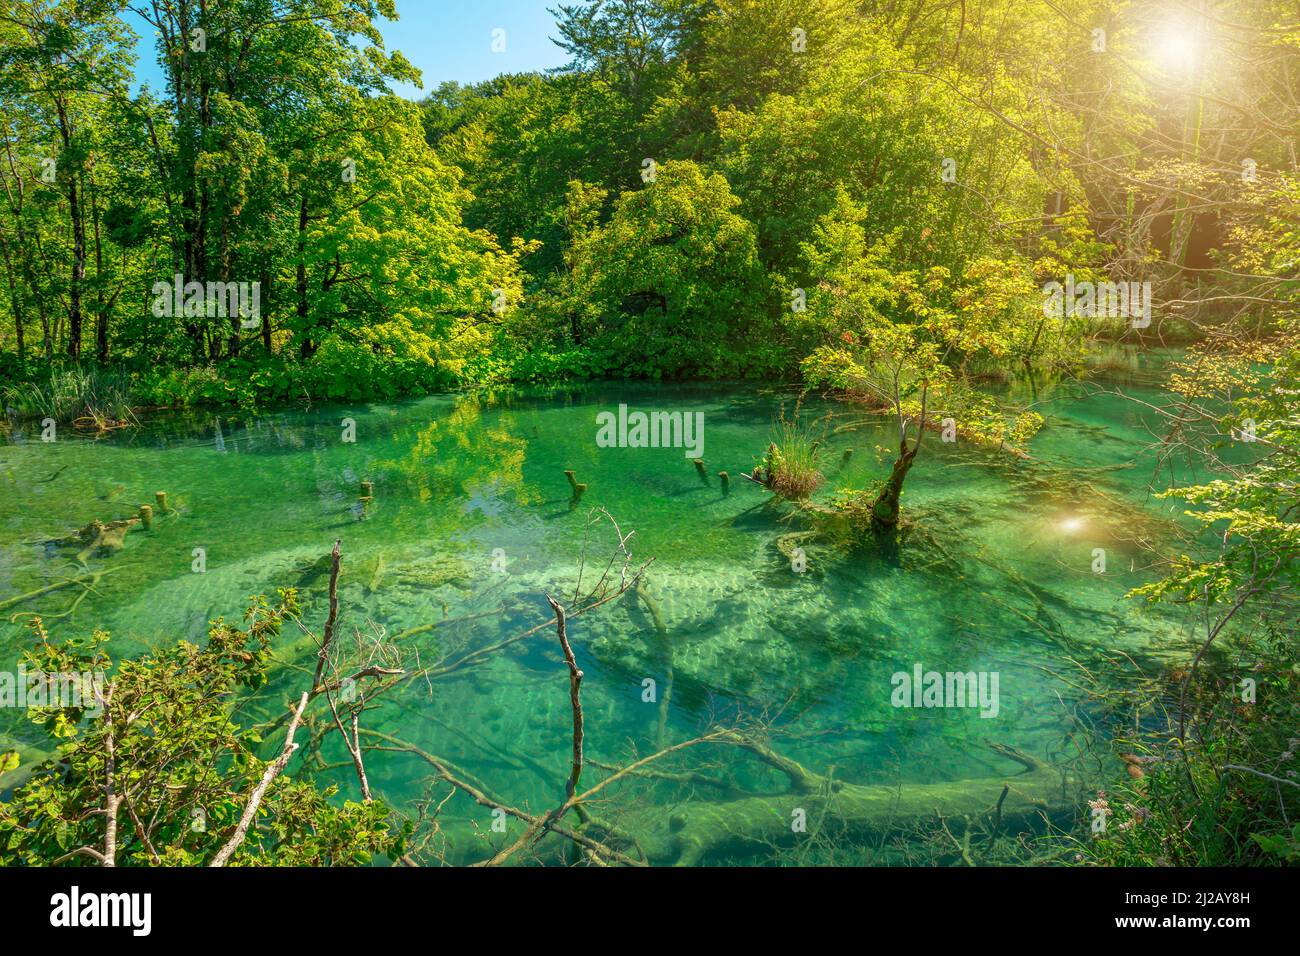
(255,799)
(482,799)
(93,578)
(331,619)
(575,772)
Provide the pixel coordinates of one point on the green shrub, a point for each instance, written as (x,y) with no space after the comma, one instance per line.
(179,758)
(1228,797)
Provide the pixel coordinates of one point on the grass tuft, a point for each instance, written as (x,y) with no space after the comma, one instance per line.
(90,398)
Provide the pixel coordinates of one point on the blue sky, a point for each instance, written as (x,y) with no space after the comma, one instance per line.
(444,39)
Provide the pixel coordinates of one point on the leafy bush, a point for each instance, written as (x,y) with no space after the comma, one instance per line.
(183,769)
(338,371)
(672,285)
(1226,798)
(571,365)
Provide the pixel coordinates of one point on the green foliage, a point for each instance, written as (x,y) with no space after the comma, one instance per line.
(278,158)
(1284,848)
(502,231)
(1252,513)
(1225,793)
(184,768)
(1189,807)
(339,371)
(868,197)
(675,280)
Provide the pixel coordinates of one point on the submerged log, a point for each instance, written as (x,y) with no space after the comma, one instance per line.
(788,542)
(700,831)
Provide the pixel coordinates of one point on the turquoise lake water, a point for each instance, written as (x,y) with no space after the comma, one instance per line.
(472,525)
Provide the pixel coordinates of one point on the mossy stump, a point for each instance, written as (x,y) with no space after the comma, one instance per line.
(578,488)
(103,538)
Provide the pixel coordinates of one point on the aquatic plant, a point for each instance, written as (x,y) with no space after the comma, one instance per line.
(791,466)
(92,398)
(1112,357)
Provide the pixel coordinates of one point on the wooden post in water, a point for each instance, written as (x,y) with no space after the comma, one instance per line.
(367,496)
(146,517)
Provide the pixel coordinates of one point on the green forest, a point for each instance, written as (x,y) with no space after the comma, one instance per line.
(917,229)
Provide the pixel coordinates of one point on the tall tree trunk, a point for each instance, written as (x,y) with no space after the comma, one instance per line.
(28,276)
(190,143)
(102,307)
(77,216)
(78,269)
(232,343)
(307,347)
(886,509)
(266,311)
(1184,219)
(15,297)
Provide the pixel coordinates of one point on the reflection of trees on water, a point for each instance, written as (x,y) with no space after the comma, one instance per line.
(464,453)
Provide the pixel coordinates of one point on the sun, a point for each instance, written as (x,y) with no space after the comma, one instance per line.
(1176,46)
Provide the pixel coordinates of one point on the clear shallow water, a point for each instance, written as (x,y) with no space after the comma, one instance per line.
(1000,579)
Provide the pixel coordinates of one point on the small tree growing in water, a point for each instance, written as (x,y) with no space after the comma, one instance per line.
(902,340)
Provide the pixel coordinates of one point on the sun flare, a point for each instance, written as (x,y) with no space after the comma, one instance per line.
(1177,46)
